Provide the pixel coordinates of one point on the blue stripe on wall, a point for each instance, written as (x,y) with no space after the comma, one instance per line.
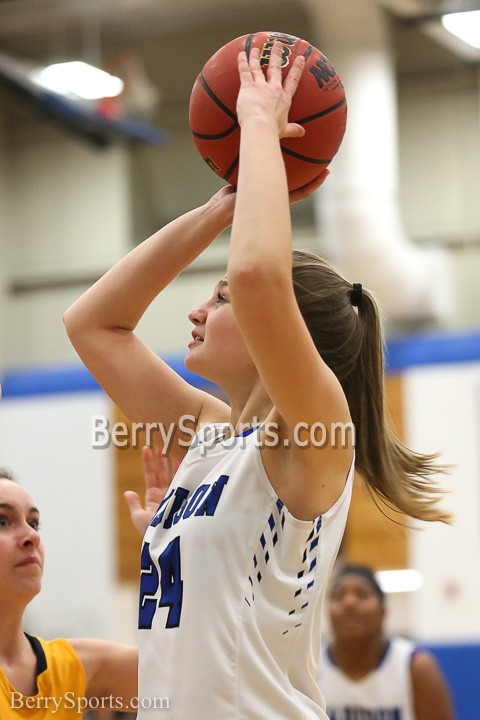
(432,349)
(402,353)
(56,379)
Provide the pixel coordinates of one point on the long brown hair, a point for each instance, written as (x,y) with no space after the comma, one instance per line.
(350,341)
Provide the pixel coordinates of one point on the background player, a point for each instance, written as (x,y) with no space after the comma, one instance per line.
(58,678)
(365,673)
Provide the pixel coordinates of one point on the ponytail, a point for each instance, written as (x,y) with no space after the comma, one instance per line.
(398,476)
(345,325)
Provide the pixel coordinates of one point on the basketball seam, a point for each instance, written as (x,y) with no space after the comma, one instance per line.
(305,158)
(230,169)
(332,108)
(248,44)
(308,52)
(218,136)
(215,99)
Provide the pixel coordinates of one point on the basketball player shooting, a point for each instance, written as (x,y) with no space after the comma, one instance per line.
(236,559)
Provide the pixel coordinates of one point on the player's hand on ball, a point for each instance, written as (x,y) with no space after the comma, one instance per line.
(158,473)
(262,96)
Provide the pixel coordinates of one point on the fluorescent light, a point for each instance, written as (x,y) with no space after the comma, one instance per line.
(79,78)
(464,25)
(396,581)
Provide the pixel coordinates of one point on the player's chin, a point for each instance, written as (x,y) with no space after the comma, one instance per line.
(195,361)
(30,587)
(192,362)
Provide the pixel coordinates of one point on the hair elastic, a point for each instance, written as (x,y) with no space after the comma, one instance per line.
(356,294)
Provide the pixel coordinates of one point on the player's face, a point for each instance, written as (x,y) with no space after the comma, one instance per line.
(355,609)
(21,549)
(218,351)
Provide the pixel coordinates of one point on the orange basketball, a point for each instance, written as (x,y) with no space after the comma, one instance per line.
(319,105)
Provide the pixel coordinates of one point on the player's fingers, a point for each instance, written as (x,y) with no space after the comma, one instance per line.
(132,500)
(149,468)
(294,76)
(243,67)
(254,62)
(275,60)
(163,470)
(293,130)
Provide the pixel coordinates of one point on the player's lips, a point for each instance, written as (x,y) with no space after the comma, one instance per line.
(30,560)
(196,338)
(350,617)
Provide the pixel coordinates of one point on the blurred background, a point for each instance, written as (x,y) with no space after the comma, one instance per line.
(83,179)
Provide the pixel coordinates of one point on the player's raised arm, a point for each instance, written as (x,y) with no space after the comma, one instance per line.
(260,273)
(101,323)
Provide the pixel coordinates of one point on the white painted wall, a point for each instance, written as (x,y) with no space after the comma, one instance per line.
(69,206)
(443,414)
(67,214)
(3,232)
(439,142)
(46,441)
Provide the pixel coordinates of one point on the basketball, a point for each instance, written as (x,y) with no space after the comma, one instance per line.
(319,105)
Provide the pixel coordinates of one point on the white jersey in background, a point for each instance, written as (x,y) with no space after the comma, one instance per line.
(384,694)
(231,595)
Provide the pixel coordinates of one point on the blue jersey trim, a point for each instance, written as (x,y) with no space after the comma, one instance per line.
(401,353)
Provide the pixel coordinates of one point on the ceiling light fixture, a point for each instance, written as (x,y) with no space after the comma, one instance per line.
(398,581)
(79,78)
(464,25)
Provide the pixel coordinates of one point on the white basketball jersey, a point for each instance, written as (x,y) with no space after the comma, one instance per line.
(231,593)
(383,694)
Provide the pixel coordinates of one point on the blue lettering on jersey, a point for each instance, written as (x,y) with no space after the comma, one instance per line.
(213,497)
(195,500)
(358,713)
(181,495)
(170,581)
(158,517)
(203,502)
(148,588)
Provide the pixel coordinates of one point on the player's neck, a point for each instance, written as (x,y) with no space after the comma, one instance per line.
(251,409)
(13,642)
(358,657)
(19,664)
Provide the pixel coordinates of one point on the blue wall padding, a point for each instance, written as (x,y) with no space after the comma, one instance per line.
(461,667)
(75,378)
(432,349)
(401,353)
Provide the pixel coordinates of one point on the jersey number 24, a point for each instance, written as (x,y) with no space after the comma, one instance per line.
(170,582)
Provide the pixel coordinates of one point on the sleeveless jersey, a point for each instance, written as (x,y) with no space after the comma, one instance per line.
(231,592)
(60,681)
(384,694)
